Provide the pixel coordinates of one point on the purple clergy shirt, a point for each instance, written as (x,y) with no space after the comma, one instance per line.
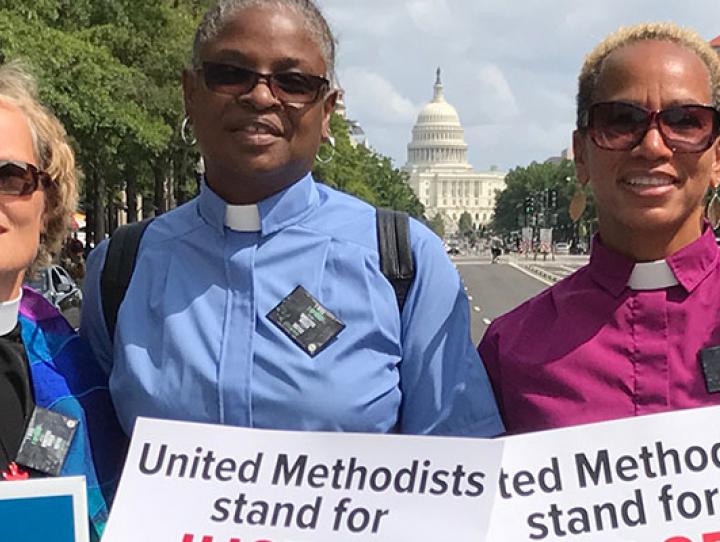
(591,349)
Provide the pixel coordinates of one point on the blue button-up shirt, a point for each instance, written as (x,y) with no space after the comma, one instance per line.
(194,342)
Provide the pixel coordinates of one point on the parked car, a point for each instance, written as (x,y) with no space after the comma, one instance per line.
(562,248)
(57,286)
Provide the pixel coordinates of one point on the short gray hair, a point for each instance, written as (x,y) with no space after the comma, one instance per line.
(218,15)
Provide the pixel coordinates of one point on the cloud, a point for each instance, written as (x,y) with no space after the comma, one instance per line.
(372,99)
(495,101)
(509,68)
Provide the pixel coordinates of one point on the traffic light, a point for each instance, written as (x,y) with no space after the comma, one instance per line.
(553,197)
(529,205)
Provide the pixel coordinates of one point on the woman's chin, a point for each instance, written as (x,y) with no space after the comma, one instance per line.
(651,221)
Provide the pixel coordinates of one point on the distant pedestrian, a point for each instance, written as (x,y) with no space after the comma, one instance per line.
(495,248)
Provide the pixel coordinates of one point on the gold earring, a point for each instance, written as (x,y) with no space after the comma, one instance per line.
(578,203)
(712,211)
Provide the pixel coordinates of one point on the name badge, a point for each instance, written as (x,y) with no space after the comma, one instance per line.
(710,360)
(47,441)
(302,318)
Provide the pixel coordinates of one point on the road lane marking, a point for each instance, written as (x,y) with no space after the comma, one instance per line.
(476,308)
(487,321)
(530,273)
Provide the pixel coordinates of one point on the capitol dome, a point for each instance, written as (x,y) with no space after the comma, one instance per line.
(437,137)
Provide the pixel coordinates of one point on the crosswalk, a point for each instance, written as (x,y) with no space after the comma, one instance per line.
(548,272)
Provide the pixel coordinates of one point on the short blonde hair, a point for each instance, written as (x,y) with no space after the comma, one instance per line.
(54,155)
(689,39)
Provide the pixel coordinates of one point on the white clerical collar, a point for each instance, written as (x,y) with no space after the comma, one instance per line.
(652,276)
(242,217)
(9,314)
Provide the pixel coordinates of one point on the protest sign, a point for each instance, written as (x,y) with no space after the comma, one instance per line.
(44,509)
(546,235)
(645,479)
(188,482)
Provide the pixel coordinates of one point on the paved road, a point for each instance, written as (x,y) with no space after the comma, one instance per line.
(494,289)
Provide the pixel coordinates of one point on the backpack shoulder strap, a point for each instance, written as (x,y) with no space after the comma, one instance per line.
(118,269)
(396,259)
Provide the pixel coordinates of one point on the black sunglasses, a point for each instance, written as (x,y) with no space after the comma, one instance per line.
(287,87)
(621,126)
(19,178)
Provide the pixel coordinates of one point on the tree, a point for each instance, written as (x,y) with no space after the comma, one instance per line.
(528,199)
(110,71)
(365,173)
(437,224)
(465,224)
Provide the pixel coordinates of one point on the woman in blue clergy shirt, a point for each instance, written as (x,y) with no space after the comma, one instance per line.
(207,329)
(43,363)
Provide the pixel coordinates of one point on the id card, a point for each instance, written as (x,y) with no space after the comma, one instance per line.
(302,318)
(710,360)
(47,441)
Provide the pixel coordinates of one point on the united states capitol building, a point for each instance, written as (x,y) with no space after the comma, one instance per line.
(439,172)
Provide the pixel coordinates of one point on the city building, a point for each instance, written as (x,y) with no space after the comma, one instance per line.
(438,169)
(716,44)
(355,131)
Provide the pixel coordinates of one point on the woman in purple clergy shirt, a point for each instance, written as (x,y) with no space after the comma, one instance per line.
(632,332)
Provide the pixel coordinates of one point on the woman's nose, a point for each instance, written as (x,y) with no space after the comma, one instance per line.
(261,95)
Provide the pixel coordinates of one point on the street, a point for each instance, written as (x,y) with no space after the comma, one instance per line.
(494,289)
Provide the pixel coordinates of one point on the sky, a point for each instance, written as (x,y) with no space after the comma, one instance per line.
(509,67)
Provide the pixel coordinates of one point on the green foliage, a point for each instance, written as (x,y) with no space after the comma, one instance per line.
(365,173)
(465,224)
(437,224)
(536,181)
(110,70)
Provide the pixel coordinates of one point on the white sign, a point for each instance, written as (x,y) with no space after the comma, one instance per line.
(187,482)
(545,239)
(646,479)
(44,509)
(527,235)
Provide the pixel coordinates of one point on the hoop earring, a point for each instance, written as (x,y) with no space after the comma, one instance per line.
(186,132)
(712,211)
(578,203)
(327,159)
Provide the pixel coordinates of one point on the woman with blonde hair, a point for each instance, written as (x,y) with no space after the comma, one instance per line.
(46,373)
(636,331)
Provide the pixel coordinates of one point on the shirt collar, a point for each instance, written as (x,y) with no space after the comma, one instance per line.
(9,314)
(242,217)
(651,276)
(689,266)
(287,207)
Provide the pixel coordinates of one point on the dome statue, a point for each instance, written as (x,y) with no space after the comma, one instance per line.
(438,169)
(438,136)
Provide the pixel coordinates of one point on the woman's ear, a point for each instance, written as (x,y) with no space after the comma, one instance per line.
(188,86)
(328,108)
(715,181)
(579,152)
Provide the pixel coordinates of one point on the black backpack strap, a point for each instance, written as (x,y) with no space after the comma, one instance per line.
(396,260)
(118,269)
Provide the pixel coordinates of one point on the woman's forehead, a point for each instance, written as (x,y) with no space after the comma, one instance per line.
(15,136)
(654,63)
(277,34)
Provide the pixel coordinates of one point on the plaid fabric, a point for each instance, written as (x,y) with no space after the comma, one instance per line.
(67,380)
